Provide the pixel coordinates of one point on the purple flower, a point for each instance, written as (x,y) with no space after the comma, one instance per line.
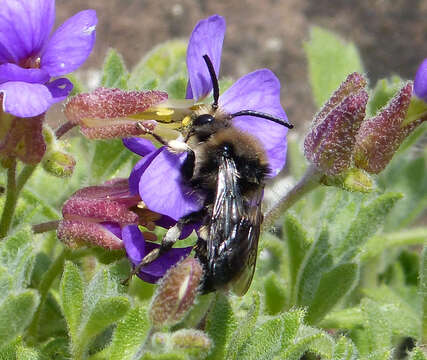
(157,177)
(420,81)
(30,57)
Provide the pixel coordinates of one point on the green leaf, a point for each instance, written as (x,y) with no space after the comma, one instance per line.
(417,354)
(345,349)
(330,60)
(129,334)
(114,74)
(265,341)
(71,291)
(298,245)
(333,286)
(24,353)
(106,312)
(168,356)
(292,320)
(16,313)
(423,293)
(317,261)
(343,319)
(369,219)
(220,324)
(57,349)
(245,329)
(275,294)
(382,93)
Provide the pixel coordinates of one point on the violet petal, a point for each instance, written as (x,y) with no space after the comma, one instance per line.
(420,81)
(113,227)
(24,28)
(162,187)
(139,146)
(60,88)
(138,170)
(12,72)
(206,39)
(25,100)
(136,248)
(259,91)
(71,44)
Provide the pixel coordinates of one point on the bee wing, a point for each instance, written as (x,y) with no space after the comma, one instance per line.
(234,230)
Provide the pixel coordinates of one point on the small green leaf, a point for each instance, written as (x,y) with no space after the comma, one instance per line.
(275,294)
(57,349)
(16,313)
(245,329)
(368,221)
(220,324)
(343,319)
(317,261)
(298,245)
(330,60)
(6,282)
(71,292)
(333,286)
(114,74)
(24,353)
(106,312)
(129,334)
(384,90)
(265,341)
(417,354)
(423,293)
(344,349)
(168,356)
(292,320)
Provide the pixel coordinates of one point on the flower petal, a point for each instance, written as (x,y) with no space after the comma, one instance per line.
(259,91)
(71,44)
(139,146)
(12,72)
(24,28)
(136,248)
(206,39)
(60,88)
(138,170)
(162,187)
(420,81)
(25,100)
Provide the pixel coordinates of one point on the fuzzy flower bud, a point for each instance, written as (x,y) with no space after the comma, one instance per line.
(94,215)
(59,163)
(194,343)
(379,137)
(330,142)
(176,293)
(110,113)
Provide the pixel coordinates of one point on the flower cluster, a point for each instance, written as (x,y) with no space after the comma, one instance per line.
(29,59)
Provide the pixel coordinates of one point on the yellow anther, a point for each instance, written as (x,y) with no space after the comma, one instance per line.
(164,112)
(141,205)
(186,121)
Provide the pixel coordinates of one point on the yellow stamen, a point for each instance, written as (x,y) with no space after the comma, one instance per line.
(186,121)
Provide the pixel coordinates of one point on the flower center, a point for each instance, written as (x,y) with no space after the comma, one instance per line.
(32,62)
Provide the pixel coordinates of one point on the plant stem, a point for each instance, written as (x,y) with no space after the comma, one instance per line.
(63,129)
(309,181)
(23,177)
(143,348)
(45,284)
(11,198)
(46,226)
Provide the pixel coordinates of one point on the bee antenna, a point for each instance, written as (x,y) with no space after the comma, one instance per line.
(262,115)
(214,79)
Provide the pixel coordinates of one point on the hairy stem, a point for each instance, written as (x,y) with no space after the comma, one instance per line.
(143,348)
(46,226)
(11,198)
(63,129)
(308,182)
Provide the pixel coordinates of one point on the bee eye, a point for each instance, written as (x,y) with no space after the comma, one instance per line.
(204,119)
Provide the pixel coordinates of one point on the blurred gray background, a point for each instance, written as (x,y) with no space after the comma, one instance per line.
(391,35)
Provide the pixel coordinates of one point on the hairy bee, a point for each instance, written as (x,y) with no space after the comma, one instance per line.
(229,167)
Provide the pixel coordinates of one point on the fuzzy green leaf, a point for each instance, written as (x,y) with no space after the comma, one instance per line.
(423,294)
(317,261)
(343,319)
(382,93)
(6,281)
(71,292)
(369,219)
(292,320)
(330,60)
(220,324)
(333,286)
(417,354)
(106,312)
(344,349)
(168,356)
(265,341)
(25,353)
(298,245)
(114,74)
(275,294)
(129,334)
(16,313)
(245,329)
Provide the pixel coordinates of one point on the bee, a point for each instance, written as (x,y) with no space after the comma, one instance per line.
(229,167)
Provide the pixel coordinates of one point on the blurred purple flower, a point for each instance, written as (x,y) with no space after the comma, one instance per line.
(29,58)
(420,81)
(157,177)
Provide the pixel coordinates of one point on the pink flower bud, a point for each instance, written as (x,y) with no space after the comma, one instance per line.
(22,137)
(176,293)
(380,137)
(109,113)
(330,142)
